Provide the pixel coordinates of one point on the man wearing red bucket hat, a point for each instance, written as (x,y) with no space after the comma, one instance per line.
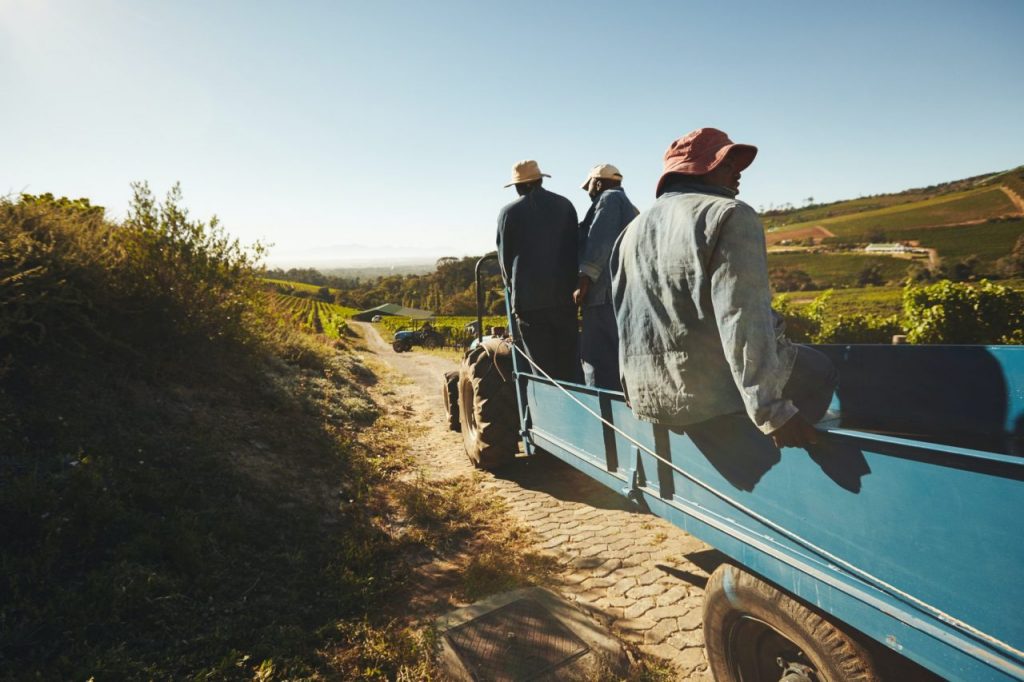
(699,340)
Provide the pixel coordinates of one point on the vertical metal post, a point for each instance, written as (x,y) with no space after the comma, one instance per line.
(480,297)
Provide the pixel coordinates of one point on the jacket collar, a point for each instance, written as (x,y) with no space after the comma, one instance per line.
(610,189)
(685,186)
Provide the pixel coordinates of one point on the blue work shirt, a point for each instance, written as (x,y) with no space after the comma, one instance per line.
(537,250)
(698,336)
(608,215)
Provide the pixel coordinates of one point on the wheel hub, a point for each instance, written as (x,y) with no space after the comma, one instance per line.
(760,653)
(795,672)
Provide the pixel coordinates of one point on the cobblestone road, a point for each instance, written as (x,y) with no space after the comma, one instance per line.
(638,574)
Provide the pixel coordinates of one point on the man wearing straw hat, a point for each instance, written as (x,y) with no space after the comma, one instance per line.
(609,213)
(699,338)
(537,253)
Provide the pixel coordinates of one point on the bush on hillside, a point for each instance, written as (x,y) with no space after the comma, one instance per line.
(965,269)
(871,276)
(75,281)
(1012,265)
(194,282)
(952,312)
(799,326)
(166,499)
(787,279)
(56,256)
(814,324)
(84,298)
(858,328)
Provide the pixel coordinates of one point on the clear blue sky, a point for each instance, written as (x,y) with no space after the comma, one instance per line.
(393,125)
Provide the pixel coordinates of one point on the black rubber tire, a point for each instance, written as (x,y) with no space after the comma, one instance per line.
(400,346)
(737,603)
(487,406)
(450,395)
(433,340)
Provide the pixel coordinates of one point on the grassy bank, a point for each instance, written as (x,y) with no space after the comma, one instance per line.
(192,487)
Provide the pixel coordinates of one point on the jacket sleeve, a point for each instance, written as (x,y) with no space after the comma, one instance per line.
(604,229)
(759,358)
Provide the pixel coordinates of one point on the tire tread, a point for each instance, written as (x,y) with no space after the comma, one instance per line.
(837,653)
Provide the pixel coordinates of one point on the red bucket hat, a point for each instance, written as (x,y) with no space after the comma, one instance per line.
(700,151)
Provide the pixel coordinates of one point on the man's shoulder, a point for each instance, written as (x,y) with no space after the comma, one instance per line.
(511,207)
(613,197)
(556,204)
(737,208)
(554,197)
(719,203)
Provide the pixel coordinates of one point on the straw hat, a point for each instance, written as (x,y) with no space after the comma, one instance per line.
(526,171)
(602,171)
(700,152)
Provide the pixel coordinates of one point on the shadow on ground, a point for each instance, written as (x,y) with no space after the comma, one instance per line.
(706,560)
(546,473)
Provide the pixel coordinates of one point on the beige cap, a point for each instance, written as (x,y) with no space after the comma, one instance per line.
(603,171)
(526,171)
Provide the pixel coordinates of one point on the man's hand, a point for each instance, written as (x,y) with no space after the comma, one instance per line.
(582,287)
(796,432)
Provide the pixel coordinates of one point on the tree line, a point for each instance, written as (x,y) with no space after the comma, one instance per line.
(449,290)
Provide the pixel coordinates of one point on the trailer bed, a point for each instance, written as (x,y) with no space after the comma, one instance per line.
(913,540)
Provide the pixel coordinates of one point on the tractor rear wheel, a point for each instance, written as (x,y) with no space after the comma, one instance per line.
(450,395)
(487,405)
(400,346)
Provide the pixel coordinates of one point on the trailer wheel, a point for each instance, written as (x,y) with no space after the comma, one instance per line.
(487,406)
(450,395)
(754,631)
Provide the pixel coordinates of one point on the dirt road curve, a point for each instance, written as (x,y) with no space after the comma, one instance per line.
(637,573)
(1014,197)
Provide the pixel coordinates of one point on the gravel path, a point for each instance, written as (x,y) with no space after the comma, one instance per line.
(639,574)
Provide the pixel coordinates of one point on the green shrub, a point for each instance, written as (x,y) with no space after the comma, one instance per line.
(193,281)
(83,297)
(175,503)
(951,312)
(858,328)
(814,324)
(799,325)
(56,257)
(1012,265)
(74,282)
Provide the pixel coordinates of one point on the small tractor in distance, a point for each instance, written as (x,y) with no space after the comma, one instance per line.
(425,336)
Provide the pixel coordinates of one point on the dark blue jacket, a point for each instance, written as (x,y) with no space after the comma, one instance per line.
(604,222)
(537,250)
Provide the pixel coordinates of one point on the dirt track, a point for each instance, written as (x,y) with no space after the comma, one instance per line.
(1014,197)
(637,573)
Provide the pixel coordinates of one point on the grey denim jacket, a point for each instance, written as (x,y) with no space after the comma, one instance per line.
(698,336)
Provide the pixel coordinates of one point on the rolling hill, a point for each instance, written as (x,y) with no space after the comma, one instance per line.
(977,219)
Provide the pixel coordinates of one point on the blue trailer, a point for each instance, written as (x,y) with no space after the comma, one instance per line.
(900,529)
